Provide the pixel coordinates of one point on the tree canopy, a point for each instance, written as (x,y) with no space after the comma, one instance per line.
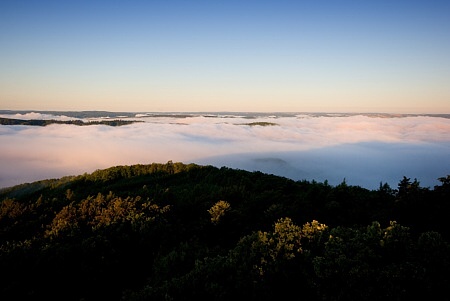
(179,231)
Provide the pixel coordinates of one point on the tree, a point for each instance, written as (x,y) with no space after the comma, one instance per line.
(218,210)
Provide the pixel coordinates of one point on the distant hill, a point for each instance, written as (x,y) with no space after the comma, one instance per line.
(74,114)
(39,122)
(231,114)
(179,231)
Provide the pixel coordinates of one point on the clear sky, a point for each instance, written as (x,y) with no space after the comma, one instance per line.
(339,56)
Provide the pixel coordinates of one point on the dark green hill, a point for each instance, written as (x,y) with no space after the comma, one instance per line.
(45,122)
(182,231)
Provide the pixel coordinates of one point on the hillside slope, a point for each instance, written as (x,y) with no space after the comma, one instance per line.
(182,231)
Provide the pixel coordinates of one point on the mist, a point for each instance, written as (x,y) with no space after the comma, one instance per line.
(359,149)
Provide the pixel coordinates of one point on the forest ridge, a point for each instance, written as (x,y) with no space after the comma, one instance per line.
(45,122)
(179,231)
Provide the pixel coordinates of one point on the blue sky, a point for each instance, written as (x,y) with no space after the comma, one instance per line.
(339,56)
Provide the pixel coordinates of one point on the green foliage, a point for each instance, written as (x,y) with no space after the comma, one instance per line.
(280,245)
(217,211)
(157,232)
(103,212)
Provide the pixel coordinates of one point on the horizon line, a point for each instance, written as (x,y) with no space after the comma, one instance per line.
(224,111)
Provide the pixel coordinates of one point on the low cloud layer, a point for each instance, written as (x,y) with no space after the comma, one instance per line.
(362,150)
(36,116)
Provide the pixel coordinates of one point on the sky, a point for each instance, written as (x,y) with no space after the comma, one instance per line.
(292,56)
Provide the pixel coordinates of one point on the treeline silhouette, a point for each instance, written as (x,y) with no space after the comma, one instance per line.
(45,122)
(184,232)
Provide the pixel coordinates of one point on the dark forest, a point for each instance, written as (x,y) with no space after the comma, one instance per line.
(179,231)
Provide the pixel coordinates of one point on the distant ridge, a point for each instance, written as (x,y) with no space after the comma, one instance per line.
(181,114)
(45,122)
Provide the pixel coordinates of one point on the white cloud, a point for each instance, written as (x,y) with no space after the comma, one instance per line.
(362,149)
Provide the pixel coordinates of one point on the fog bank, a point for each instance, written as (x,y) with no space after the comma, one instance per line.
(360,149)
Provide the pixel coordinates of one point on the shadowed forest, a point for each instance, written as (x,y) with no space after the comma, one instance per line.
(179,231)
(39,122)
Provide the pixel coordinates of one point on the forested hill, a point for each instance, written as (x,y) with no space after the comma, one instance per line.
(183,232)
(45,122)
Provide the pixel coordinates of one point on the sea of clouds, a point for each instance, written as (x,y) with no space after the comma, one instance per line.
(360,149)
